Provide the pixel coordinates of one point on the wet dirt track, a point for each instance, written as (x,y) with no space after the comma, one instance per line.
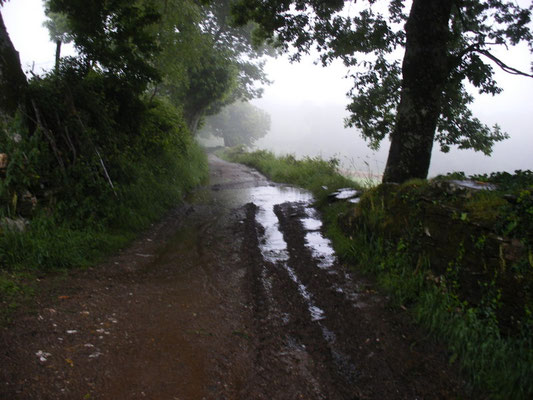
(235,295)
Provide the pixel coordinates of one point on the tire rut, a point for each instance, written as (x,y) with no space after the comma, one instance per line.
(371,351)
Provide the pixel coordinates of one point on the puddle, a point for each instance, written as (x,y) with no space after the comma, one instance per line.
(311,224)
(273,246)
(274,249)
(316,312)
(321,249)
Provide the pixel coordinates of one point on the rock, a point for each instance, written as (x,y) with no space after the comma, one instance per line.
(344,194)
(473,185)
(462,186)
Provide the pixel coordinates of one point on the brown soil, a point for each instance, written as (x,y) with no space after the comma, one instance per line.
(192,311)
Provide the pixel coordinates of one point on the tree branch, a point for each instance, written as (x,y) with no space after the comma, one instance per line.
(502,65)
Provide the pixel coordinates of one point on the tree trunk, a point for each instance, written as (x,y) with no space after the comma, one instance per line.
(58,53)
(424,72)
(193,122)
(13,82)
(229,140)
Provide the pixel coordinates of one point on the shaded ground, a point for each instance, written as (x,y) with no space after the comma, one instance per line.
(193,311)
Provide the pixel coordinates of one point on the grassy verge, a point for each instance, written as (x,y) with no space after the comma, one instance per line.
(493,351)
(318,176)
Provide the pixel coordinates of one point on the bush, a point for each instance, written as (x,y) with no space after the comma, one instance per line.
(96,163)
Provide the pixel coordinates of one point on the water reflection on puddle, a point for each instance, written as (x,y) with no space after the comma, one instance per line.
(321,249)
(274,249)
(273,246)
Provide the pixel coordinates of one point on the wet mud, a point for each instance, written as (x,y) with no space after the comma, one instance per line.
(234,295)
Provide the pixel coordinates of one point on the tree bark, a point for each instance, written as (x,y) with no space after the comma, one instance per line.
(58,54)
(424,73)
(13,82)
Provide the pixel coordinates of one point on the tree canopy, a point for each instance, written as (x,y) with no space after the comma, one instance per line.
(238,123)
(417,100)
(123,111)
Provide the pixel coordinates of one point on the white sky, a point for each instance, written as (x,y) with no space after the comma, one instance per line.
(307,104)
(306,86)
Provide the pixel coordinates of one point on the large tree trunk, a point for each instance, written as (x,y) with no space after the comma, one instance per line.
(424,72)
(13,82)
(193,121)
(58,54)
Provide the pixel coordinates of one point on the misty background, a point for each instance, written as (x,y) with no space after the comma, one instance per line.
(307,105)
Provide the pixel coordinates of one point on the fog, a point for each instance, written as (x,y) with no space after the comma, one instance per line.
(307,106)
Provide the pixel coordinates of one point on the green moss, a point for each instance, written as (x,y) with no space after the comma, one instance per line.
(486,207)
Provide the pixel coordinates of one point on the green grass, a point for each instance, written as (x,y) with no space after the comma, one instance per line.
(314,174)
(498,366)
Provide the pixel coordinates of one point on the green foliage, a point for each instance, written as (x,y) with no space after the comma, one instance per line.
(367,40)
(246,52)
(508,182)
(486,207)
(205,62)
(114,34)
(13,292)
(101,165)
(238,123)
(510,204)
(57,25)
(477,306)
(48,245)
(319,176)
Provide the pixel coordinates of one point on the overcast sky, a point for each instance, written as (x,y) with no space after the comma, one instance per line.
(308,102)
(307,105)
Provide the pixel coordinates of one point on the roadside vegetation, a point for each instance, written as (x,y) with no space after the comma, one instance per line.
(319,176)
(458,260)
(102,145)
(56,218)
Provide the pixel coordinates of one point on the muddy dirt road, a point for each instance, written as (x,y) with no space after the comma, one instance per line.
(235,295)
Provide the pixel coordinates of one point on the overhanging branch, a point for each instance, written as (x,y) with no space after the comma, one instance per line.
(502,65)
